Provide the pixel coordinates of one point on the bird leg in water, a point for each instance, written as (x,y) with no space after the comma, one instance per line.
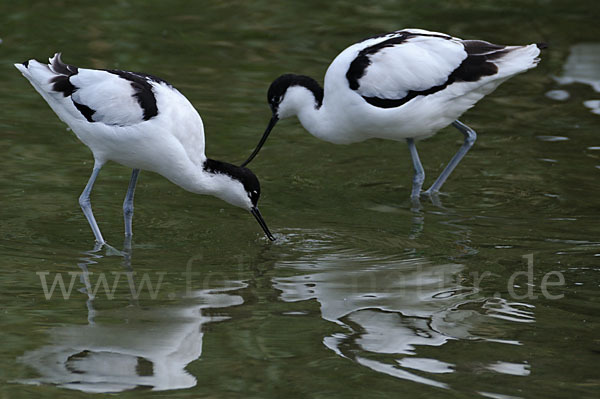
(470,137)
(419,176)
(86,205)
(128,203)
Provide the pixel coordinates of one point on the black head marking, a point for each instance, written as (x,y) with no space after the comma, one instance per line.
(143,90)
(243,175)
(280,85)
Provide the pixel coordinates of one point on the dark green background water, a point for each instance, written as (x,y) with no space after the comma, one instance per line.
(360,296)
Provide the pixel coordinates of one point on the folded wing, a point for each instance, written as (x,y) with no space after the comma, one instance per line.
(398,67)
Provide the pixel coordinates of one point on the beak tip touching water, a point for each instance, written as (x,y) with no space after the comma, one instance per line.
(256,213)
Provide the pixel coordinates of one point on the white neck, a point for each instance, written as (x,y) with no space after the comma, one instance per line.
(301,102)
(196,179)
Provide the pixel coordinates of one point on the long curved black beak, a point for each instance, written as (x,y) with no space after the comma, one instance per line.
(272,123)
(254,211)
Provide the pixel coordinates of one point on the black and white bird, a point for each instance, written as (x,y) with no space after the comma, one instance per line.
(403,85)
(142,122)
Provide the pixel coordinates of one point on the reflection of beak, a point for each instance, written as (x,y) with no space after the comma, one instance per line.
(262,223)
(272,123)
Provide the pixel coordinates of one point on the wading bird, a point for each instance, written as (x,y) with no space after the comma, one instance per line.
(141,122)
(403,85)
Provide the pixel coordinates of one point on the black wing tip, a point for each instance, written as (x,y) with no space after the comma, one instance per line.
(86,111)
(542,46)
(58,66)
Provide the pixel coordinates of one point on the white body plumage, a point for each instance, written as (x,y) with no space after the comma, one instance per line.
(403,85)
(142,122)
(171,143)
(417,64)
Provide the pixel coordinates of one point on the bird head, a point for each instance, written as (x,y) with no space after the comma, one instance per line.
(238,186)
(286,95)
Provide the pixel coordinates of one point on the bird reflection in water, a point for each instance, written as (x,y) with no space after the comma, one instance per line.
(148,346)
(582,66)
(391,308)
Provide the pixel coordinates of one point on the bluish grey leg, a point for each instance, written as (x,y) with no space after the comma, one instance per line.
(419,176)
(470,137)
(86,205)
(128,203)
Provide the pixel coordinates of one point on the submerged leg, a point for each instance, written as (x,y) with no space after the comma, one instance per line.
(128,203)
(470,137)
(86,205)
(419,176)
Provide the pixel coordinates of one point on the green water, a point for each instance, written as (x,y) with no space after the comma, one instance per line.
(360,296)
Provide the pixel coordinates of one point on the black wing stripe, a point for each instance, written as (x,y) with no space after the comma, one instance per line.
(477,65)
(86,111)
(141,84)
(393,103)
(63,85)
(143,90)
(61,82)
(360,64)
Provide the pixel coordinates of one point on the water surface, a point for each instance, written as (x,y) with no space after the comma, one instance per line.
(495,293)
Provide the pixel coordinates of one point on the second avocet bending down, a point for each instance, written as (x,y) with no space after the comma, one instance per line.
(142,122)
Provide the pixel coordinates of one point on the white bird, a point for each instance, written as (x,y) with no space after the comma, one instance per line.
(403,85)
(142,122)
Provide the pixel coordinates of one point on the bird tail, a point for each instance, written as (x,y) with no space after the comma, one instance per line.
(517,59)
(51,81)
(43,75)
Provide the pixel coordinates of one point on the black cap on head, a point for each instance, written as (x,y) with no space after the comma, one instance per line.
(276,94)
(280,85)
(243,175)
(248,180)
